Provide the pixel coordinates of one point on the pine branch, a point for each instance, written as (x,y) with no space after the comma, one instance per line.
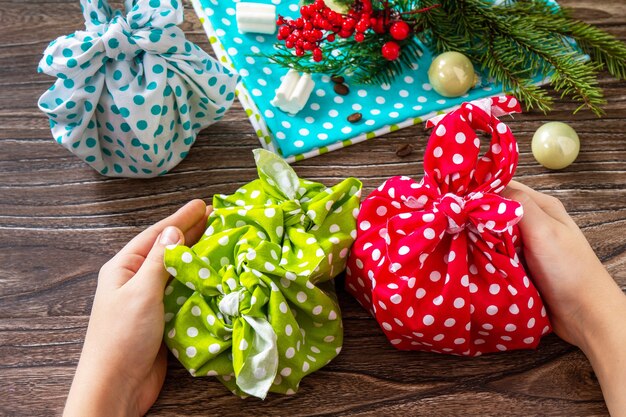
(601,46)
(360,60)
(522,37)
(570,75)
(513,42)
(501,69)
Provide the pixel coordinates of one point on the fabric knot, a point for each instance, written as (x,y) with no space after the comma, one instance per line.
(229,304)
(453,207)
(118,41)
(294,214)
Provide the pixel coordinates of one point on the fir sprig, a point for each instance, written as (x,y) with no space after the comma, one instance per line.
(360,60)
(513,43)
(518,40)
(602,47)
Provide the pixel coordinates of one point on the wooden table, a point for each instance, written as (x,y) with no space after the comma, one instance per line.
(60,221)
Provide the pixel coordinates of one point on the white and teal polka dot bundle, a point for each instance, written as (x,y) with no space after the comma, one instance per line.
(322,125)
(132,92)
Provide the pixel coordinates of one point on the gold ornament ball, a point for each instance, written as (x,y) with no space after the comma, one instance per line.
(452,74)
(337,7)
(555,145)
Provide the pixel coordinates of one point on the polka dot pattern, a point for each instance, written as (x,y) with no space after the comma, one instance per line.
(436,261)
(131,92)
(325,113)
(254,297)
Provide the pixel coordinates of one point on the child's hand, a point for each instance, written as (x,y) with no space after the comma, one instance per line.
(123,362)
(565,269)
(585,306)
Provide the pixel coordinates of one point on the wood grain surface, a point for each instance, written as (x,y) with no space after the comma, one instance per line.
(60,221)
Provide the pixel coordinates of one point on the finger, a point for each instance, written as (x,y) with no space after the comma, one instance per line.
(551,205)
(184,218)
(126,263)
(152,276)
(190,237)
(535,221)
(195,233)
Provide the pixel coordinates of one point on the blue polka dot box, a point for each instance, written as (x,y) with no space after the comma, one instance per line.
(131,92)
(322,125)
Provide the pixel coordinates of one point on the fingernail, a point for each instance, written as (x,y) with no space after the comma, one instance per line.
(169,236)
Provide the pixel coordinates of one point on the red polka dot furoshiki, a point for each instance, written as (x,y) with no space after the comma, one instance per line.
(436,262)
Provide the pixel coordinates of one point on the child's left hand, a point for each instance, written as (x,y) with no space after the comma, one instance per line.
(123,362)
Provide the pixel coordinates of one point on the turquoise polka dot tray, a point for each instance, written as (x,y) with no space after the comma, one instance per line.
(322,126)
(131,92)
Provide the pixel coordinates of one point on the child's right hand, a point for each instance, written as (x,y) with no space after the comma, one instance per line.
(585,306)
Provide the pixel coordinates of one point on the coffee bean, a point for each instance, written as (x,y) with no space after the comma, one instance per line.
(337,79)
(341,89)
(355,117)
(404,150)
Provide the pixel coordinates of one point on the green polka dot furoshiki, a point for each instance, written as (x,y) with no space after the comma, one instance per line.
(253,302)
(131,92)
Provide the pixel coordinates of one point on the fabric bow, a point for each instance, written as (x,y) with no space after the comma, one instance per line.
(233,295)
(421,231)
(459,191)
(318,218)
(150,26)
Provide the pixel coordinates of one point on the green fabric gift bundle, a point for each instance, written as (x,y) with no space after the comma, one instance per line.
(253,301)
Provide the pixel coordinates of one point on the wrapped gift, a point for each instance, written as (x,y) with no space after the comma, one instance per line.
(253,301)
(436,262)
(131,92)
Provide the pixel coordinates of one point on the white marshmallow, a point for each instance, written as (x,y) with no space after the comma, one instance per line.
(256,18)
(294,91)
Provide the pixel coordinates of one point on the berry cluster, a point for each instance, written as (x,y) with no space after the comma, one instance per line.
(319,23)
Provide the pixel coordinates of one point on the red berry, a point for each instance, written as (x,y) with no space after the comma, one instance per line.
(391,51)
(331,15)
(363,25)
(331,37)
(299,51)
(344,34)
(317,55)
(306,11)
(359,37)
(284,31)
(348,24)
(378,24)
(399,30)
(319,4)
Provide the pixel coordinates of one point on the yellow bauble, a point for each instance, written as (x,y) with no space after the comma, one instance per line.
(339,8)
(452,74)
(555,145)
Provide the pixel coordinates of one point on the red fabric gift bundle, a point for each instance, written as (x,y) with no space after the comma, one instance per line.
(436,262)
